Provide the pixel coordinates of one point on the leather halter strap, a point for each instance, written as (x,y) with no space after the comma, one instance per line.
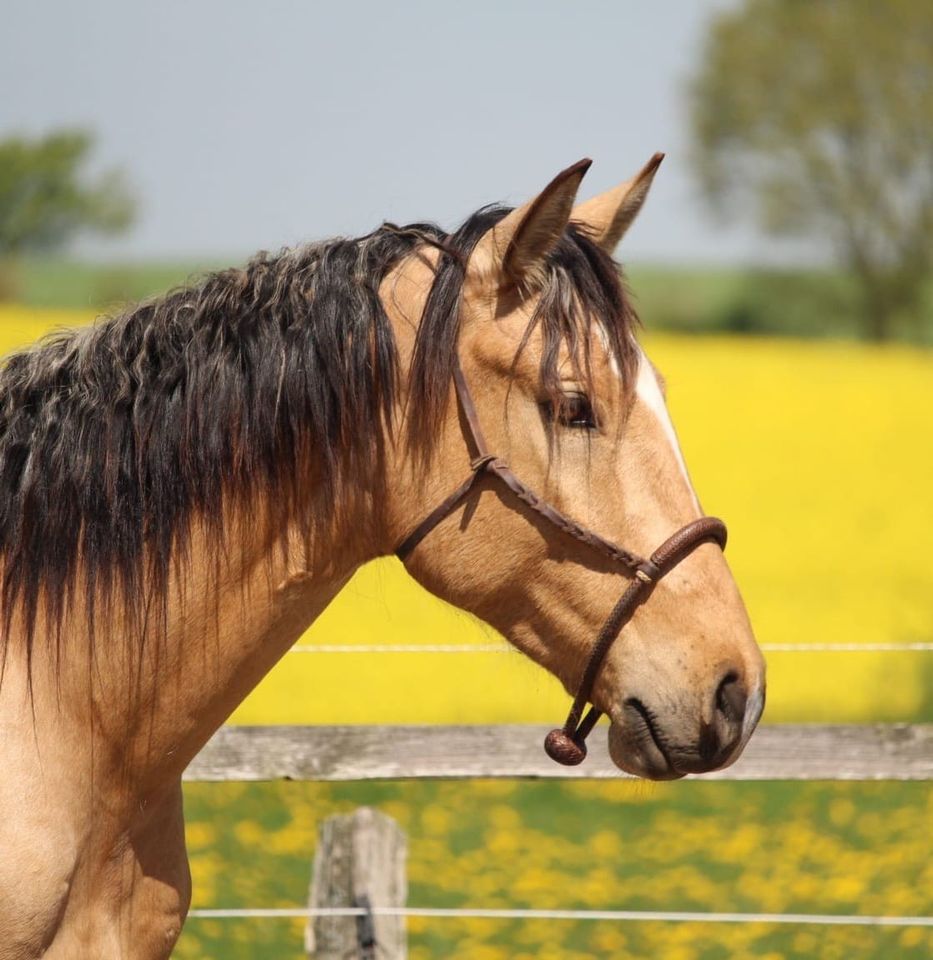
(567,744)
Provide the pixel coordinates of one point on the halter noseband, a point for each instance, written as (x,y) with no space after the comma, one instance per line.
(567,744)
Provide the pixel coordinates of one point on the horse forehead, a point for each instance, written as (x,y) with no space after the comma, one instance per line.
(514,342)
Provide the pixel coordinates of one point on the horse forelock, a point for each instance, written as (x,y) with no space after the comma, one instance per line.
(582,300)
(114,438)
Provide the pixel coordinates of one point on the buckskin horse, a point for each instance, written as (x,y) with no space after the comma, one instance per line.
(186,486)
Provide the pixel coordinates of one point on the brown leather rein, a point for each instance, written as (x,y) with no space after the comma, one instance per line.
(567,745)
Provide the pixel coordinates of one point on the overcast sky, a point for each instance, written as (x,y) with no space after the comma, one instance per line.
(246,126)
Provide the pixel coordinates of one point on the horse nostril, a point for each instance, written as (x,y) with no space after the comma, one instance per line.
(731,697)
(718,738)
(709,743)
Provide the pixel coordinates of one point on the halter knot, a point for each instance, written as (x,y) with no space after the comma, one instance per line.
(564,748)
(481,462)
(647,572)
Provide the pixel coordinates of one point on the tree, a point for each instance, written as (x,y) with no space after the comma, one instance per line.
(46,197)
(821,114)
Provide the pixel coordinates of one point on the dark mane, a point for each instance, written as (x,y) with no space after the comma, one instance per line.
(115,437)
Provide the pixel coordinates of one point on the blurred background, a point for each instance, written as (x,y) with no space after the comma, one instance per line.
(783,269)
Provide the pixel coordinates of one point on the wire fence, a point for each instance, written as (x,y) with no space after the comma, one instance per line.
(665,916)
(894,647)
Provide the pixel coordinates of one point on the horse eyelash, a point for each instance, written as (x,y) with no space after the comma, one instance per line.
(585,418)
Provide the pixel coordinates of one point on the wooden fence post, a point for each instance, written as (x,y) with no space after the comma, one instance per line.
(360,860)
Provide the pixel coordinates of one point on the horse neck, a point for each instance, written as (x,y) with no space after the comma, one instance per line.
(154,700)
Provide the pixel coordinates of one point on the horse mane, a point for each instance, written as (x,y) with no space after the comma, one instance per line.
(115,437)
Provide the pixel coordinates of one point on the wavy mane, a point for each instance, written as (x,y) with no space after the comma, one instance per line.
(113,438)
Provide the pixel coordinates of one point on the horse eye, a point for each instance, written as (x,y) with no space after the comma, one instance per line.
(574,410)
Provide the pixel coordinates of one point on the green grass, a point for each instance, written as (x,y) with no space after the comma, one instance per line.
(771,301)
(57,283)
(746,847)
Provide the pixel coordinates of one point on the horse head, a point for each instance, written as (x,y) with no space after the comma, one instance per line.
(557,418)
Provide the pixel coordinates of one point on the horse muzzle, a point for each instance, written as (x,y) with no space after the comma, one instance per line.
(667,742)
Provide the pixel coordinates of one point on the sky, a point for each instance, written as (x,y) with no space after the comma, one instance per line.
(253,126)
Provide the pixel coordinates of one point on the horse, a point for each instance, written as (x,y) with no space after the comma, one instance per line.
(185,486)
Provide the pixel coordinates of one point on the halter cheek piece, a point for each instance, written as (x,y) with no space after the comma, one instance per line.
(567,745)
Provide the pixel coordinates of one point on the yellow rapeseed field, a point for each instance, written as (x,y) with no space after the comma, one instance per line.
(819,455)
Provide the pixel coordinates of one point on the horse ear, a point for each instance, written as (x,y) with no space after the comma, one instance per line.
(607,216)
(516,247)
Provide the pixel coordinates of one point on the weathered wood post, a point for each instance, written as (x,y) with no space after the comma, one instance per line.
(360,860)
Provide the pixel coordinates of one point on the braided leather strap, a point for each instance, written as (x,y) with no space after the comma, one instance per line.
(561,520)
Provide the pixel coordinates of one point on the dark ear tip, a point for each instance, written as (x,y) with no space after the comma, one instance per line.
(564,749)
(574,172)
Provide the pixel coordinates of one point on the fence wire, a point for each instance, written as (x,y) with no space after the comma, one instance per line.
(906,647)
(666,916)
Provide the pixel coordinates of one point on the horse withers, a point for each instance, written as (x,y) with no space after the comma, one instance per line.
(186,486)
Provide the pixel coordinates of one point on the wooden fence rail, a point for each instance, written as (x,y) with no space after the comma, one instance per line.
(784,752)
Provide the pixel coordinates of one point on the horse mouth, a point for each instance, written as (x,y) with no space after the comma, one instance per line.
(653,759)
